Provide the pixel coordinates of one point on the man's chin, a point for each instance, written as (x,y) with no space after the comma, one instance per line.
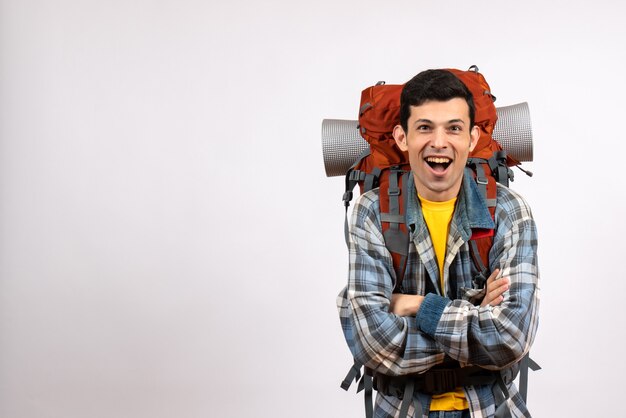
(439,190)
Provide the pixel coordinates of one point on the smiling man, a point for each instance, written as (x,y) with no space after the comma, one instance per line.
(446,346)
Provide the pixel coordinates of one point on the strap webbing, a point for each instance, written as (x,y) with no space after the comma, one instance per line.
(481,277)
(407,399)
(371,179)
(352,178)
(394,192)
(396,239)
(391,240)
(481,179)
(368,396)
(401,270)
(501,395)
(418,408)
(388,217)
(353,374)
(525,364)
(347,198)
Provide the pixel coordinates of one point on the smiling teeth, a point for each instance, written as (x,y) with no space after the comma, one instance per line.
(438,160)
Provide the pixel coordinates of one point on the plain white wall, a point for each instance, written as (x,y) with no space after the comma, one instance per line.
(170,246)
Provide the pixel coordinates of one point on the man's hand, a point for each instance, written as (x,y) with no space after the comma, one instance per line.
(495,289)
(405,305)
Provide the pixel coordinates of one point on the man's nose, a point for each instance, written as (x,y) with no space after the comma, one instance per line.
(439,138)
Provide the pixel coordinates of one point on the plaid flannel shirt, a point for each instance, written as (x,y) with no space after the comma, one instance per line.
(447,326)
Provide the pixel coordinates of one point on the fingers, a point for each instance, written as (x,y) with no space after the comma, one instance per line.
(500,285)
(493,276)
(495,296)
(495,289)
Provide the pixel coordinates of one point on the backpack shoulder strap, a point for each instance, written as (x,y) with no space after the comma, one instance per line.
(482,239)
(393,200)
(355,176)
(486,174)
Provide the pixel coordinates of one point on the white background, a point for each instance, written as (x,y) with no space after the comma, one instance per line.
(170,245)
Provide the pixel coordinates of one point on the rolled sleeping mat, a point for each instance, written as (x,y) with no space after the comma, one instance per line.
(342,144)
(514,132)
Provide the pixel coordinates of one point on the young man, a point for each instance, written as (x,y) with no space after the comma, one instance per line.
(449,349)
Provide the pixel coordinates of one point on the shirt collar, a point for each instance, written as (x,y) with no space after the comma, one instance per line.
(471,210)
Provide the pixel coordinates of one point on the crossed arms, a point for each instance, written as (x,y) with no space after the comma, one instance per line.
(408,305)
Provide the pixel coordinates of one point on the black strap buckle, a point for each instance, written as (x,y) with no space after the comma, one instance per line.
(354,374)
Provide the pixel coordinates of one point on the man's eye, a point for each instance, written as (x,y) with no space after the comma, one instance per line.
(423,127)
(456,128)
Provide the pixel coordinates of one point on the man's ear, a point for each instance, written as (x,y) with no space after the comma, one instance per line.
(400,136)
(474,136)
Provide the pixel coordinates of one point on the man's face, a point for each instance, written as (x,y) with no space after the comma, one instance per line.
(438,140)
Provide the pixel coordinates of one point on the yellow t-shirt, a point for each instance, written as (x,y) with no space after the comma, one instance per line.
(438,216)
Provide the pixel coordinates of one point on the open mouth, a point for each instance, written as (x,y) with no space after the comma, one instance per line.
(438,164)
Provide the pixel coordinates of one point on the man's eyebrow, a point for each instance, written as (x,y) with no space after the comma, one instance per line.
(430,121)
